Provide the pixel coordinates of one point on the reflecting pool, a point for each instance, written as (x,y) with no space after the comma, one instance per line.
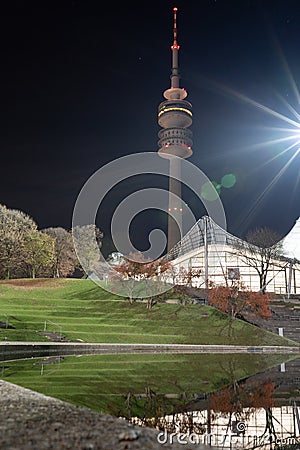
(224,401)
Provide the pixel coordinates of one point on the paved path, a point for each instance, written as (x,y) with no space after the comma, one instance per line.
(14,350)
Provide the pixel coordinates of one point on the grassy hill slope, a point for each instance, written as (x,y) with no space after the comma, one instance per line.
(86,312)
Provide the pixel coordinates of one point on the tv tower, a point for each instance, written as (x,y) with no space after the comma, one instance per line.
(175,139)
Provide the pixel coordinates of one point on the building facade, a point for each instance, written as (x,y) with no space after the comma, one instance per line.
(219,258)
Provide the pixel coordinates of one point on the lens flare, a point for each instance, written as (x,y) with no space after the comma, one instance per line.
(228,180)
(210,191)
(284,138)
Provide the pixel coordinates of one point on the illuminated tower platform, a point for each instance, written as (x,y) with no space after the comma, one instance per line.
(175,139)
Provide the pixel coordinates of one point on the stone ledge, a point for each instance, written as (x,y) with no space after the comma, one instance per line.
(17,350)
(33,421)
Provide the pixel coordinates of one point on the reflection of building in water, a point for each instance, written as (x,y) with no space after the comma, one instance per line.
(282,420)
(250,428)
(242,415)
(266,429)
(221,256)
(230,431)
(286,379)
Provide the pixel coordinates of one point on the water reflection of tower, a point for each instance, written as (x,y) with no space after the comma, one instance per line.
(175,139)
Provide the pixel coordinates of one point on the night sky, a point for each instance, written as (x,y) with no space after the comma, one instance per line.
(80,86)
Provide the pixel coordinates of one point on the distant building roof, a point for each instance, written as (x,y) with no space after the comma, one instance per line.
(206,230)
(291,242)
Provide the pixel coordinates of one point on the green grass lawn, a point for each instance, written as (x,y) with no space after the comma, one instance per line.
(87,312)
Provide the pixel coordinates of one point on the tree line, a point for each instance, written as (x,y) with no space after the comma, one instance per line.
(26,251)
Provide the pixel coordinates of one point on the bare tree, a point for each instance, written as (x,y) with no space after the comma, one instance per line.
(183,280)
(262,246)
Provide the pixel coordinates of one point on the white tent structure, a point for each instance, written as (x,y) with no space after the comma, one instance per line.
(291,242)
(219,256)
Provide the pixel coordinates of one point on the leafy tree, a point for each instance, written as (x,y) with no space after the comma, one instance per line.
(87,241)
(262,246)
(236,299)
(65,260)
(139,277)
(153,271)
(39,252)
(130,272)
(15,225)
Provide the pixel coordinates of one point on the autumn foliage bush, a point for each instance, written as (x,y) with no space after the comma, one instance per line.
(236,398)
(236,299)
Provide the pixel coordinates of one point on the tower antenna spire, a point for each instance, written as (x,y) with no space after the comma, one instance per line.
(175,116)
(175,48)
(175,44)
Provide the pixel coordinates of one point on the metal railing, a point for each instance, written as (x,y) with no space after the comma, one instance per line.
(53,323)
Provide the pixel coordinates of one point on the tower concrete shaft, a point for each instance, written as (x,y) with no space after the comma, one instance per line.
(175,139)
(175,204)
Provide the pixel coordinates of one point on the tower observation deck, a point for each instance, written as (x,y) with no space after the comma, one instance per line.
(175,139)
